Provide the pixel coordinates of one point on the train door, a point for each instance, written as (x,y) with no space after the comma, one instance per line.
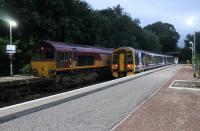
(74,60)
(115,64)
(144,60)
(140,61)
(137,61)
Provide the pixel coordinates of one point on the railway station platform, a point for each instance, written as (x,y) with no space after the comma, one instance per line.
(18,80)
(14,78)
(15,86)
(170,109)
(106,106)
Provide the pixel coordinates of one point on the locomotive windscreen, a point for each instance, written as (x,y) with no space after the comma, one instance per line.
(43,54)
(115,59)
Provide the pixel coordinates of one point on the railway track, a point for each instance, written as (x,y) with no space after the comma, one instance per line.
(45,93)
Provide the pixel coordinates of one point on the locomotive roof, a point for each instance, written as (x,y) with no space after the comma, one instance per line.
(60,46)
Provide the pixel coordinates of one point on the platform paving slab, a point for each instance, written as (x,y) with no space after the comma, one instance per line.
(168,110)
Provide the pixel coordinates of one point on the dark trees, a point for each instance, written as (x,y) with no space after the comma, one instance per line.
(116,28)
(74,21)
(167,35)
(149,42)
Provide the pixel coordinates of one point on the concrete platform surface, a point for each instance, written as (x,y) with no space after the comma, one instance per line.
(15,78)
(97,111)
(18,80)
(168,110)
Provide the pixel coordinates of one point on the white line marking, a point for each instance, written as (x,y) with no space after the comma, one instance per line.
(188,80)
(184,88)
(172,83)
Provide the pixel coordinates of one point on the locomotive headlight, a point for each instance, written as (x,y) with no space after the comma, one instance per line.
(129,65)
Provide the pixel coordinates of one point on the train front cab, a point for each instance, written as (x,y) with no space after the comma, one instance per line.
(47,61)
(43,61)
(123,62)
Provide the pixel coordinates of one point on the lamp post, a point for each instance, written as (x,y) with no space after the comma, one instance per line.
(191,43)
(194,50)
(12,24)
(192,22)
(192,53)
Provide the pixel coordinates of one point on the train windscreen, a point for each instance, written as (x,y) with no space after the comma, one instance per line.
(115,59)
(43,55)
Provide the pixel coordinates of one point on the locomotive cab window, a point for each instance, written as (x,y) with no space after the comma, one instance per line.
(43,55)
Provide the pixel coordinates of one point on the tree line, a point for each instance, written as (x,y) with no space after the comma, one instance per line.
(74,21)
(187,49)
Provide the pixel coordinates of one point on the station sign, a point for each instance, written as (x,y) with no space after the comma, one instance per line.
(11,49)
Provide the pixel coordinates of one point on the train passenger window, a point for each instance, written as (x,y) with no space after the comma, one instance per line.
(81,60)
(143,58)
(148,59)
(153,60)
(90,60)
